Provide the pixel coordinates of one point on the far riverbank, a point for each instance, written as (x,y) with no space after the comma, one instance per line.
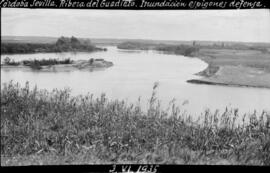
(234,65)
(249,68)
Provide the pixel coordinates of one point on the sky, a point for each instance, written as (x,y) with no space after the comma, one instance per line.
(251,25)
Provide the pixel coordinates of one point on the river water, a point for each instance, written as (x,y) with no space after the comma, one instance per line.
(134,74)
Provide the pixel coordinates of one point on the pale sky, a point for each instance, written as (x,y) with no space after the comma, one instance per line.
(216,25)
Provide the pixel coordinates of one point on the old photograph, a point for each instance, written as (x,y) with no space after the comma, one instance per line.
(135,87)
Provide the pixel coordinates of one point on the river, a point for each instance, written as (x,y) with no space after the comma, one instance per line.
(134,74)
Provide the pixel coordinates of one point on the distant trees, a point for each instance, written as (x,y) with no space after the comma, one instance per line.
(74,41)
(62,41)
(133,46)
(185,50)
(222,45)
(74,44)
(46,62)
(63,44)
(91,61)
(8,61)
(86,42)
(25,48)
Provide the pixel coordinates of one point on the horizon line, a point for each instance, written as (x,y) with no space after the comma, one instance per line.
(134,39)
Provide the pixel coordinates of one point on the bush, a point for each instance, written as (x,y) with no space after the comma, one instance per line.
(178,49)
(45,62)
(35,65)
(91,61)
(7,60)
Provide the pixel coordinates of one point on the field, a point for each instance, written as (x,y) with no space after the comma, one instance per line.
(235,67)
(41,127)
(231,57)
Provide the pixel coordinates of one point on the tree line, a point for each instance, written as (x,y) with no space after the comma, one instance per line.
(63,44)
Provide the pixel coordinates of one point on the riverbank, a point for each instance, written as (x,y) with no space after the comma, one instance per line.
(39,127)
(234,76)
(230,65)
(90,65)
(249,68)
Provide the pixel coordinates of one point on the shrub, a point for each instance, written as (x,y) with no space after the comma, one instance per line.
(91,61)
(7,60)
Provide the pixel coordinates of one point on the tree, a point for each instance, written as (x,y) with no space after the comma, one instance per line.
(87,42)
(74,40)
(75,43)
(7,60)
(62,41)
(91,61)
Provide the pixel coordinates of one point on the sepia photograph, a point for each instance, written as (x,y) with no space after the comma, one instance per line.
(96,86)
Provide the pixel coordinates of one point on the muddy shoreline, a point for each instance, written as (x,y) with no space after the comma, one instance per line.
(204,82)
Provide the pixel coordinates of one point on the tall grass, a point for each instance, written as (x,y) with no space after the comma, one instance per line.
(38,122)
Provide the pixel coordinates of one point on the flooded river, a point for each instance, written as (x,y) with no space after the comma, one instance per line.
(134,74)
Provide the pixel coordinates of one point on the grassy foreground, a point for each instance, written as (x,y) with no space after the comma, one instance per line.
(41,127)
